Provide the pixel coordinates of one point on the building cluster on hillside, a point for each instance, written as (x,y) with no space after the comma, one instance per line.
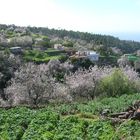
(91,55)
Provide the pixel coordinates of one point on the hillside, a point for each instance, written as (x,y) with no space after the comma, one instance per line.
(11,35)
(50,89)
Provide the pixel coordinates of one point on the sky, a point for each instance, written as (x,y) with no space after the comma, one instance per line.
(112,17)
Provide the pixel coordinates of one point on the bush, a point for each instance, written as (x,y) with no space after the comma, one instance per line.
(1,48)
(129,130)
(8,65)
(82,63)
(45,44)
(67,44)
(116,84)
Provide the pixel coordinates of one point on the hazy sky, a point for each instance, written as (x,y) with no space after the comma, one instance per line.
(116,17)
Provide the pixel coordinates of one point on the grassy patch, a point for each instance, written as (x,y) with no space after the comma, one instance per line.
(39,56)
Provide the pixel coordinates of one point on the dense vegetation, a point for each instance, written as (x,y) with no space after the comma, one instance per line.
(93,40)
(69,121)
(37,85)
(45,56)
(106,40)
(46,94)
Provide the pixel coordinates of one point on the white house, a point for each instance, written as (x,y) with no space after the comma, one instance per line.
(92,55)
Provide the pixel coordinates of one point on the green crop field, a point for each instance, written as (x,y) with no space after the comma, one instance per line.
(43,56)
(77,121)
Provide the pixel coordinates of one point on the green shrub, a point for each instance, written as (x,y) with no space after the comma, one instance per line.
(43,57)
(83,63)
(67,44)
(115,84)
(129,130)
(1,48)
(63,58)
(7,51)
(101,130)
(45,44)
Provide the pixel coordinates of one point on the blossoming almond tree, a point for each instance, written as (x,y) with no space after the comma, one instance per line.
(31,85)
(35,85)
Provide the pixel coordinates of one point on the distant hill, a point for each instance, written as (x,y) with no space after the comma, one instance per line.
(78,39)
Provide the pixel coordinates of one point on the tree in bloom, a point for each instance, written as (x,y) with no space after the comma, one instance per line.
(100,81)
(31,85)
(58,70)
(84,83)
(35,85)
(8,65)
(24,41)
(123,62)
(132,76)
